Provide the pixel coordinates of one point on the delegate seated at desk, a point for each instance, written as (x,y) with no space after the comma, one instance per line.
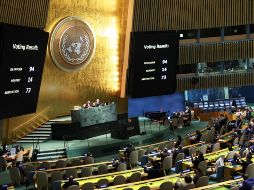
(97,103)
(87,104)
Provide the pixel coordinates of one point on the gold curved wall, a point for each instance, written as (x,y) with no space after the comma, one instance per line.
(60,91)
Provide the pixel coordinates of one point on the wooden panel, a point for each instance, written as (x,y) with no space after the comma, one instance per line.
(24,12)
(207,52)
(154,15)
(215,81)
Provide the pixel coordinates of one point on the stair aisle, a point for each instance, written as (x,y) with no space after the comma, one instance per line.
(40,135)
(51,154)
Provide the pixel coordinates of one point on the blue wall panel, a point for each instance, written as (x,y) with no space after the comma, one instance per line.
(169,103)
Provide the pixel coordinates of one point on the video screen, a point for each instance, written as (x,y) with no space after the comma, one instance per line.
(22,56)
(153,63)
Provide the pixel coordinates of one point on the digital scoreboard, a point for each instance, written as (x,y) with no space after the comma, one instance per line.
(22,56)
(153,63)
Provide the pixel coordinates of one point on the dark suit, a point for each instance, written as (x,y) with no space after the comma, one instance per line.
(245,165)
(154,172)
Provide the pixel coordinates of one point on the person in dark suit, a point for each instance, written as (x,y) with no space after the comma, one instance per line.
(246,163)
(69,183)
(128,150)
(198,174)
(179,141)
(164,154)
(195,139)
(155,171)
(197,160)
(234,104)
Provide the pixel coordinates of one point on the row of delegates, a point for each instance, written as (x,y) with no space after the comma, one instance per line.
(97,103)
(88,104)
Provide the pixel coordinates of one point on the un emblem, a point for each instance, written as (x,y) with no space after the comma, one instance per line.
(72,44)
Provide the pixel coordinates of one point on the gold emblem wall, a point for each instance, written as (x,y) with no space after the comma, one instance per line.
(60,91)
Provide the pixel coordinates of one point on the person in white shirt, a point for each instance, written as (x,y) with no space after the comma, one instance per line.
(219,162)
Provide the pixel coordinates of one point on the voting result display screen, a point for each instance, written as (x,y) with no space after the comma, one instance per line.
(153,63)
(22,56)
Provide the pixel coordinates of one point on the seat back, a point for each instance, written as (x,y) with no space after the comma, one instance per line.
(73,187)
(245,153)
(41,180)
(135,177)
(144,188)
(141,153)
(189,186)
(15,175)
(167,163)
(202,181)
(179,156)
(166,186)
(242,138)
(250,170)
(71,172)
(86,172)
(192,150)
(76,162)
(203,149)
(56,176)
(88,186)
(133,159)
(236,140)
(89,160)
(103,183)
(203,167)
(216,147)
(121,167)
(230,155)
(60,163)
(103,169)
(118,180)
(29,168)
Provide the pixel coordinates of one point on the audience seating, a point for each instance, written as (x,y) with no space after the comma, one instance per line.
(15,176)
(41,180)
(86,172)
(250,170)
(135,177)
(202,181)
(118,180)
(167,164)
(166,186)
(88,186)
(73,187)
